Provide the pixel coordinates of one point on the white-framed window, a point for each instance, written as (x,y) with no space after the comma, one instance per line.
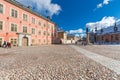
(1,25)
(33,20)
(44,33)
(14,27)
(14,41)
(24,29)
(44,25)
(14,13)
(39,32)
(39,23)
(1,41)
(48,34)
(32,30)
(25,17)
(1,8)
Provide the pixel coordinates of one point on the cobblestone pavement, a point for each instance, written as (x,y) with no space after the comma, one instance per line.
(105,61)
(111,51)
(53,62)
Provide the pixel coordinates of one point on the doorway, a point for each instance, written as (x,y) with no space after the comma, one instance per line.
(24,41)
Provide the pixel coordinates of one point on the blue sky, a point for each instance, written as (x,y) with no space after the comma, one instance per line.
(74,15)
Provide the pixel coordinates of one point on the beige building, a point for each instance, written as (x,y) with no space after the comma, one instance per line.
(62,37)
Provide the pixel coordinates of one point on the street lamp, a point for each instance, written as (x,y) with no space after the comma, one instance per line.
(87,36)
(95,34)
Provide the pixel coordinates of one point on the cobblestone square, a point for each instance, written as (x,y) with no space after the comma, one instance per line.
(52,62)
(111,51)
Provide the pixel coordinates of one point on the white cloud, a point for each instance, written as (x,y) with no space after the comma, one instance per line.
(77,35)
(104,23)
(105,2)
(45,7)
(76,31)
(99,5)
(80,35)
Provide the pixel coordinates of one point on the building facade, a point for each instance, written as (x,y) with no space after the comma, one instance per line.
(109,35)
(70,39)
(22,26)
(62,35)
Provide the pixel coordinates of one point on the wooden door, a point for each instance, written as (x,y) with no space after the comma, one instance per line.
(24,41)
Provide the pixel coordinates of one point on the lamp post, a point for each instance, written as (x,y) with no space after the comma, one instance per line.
(95,34)
(87,36)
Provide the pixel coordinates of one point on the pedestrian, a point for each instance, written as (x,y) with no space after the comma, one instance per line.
(4,44)
(8,45)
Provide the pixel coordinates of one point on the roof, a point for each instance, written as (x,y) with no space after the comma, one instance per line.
(109,30)
(61,31)
(18,4)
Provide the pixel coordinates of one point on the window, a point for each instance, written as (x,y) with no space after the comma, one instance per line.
(24,29)
(33,41)
(39,33)
(102,37)
(39,23)
(1,25)
(0,41)
(44,25)
(25,17)
(33,20)
(14,27)
(54,34)
(1,8)
(116,37)
(48,34)
(44,33)
(33,31)
(13,42)
(14,13)
(111,37)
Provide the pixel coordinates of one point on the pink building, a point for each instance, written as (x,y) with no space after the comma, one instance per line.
(23,27)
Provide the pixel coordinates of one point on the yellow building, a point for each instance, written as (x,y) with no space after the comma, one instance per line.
(62,36)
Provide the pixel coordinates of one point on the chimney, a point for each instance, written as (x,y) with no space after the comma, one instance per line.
(48,17)
(29,7)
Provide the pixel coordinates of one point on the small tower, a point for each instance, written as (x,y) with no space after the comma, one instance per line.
(115,28)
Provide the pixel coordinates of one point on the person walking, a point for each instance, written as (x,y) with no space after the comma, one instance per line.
(4,44)
(8,45)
